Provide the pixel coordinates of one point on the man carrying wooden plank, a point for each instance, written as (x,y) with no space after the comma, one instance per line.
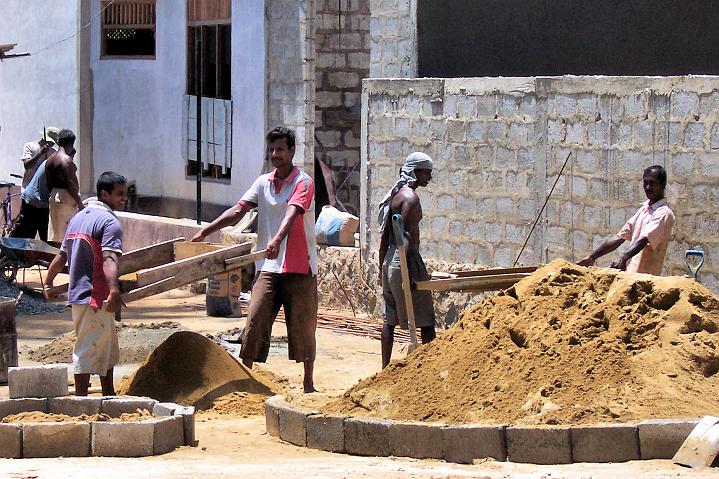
(402,198)
(286,224)
(649,230)
(92,248)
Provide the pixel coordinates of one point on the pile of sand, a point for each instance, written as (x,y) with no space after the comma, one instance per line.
(31,417)
(136,341)
(240,404)
(190,369)
(567,345)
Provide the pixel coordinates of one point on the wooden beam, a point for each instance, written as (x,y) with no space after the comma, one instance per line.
(192,266)
(483,272)
(476,283)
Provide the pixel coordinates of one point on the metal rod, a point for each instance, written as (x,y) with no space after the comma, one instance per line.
(198,91)
(542,210)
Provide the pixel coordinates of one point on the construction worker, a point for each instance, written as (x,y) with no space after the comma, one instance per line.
(649,230)
(35,152)
(403,199)
(288,277)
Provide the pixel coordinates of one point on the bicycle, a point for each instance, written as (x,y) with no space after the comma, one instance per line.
(8,271)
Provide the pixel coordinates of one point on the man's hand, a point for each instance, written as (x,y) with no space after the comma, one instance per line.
(273,248)
(199,237)
(588,261)
(46,291)
(620,263)
(113,303)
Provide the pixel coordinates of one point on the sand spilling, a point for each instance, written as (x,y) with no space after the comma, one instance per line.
(190,369)
(567,345)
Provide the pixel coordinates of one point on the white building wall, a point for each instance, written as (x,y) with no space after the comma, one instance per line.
(40,89)
(138,107)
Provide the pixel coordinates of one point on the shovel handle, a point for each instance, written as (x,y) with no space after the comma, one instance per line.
(398,226)
(694,269)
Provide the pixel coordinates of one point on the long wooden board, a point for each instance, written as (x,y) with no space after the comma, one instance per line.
(472,283)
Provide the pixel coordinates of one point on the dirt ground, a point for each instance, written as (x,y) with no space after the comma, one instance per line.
(234,446)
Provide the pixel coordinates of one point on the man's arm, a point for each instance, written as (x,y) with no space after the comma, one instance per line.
(606,247)
(229,217)
(58,262)
(273,247)
(32,162)
(110,268)
(634,249)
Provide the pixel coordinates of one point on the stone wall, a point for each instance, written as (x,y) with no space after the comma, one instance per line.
(343,38)
(499,145)
(291,72)
(393,27)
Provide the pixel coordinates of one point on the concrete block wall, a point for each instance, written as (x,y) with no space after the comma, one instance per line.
(343,56)
(393,26)
(499,144)
(291,72)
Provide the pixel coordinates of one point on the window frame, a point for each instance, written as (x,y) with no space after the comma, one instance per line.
(104,27)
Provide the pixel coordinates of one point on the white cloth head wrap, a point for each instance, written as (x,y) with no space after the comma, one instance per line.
(415,161)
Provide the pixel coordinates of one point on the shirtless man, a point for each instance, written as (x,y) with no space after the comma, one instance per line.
(61,172)
(402,198)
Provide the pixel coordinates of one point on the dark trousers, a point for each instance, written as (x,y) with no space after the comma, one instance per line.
(31,221)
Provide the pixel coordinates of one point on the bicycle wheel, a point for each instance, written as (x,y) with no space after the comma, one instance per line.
(8,270)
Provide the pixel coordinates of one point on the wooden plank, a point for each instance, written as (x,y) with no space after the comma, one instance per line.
(477,283)
(238,263)
(190,249)
(483,272)
(200,264)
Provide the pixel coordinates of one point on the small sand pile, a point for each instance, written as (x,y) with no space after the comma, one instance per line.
(566,345)
(190,369)
(240,404)
(136,341)
(31,417)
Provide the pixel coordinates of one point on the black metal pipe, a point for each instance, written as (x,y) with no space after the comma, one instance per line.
(198,91)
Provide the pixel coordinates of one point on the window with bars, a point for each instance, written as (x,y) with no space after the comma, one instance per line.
(128,29)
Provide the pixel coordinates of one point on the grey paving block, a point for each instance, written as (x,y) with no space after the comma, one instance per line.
(37,381)
(326,433)
(115,407)
(662,438)
(539,445)
(56,439)
(169,434)
(465,443)
(188,423)
(420,440)
(74,405)
(272,418)
(367,437)
(605,443)
(123,439)
(163,409)
(292,423)
(10,441)
(15,406)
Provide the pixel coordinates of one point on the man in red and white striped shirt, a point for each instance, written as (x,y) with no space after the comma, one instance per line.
(288,277)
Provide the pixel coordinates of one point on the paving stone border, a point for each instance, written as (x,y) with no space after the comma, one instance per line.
(462,443)
(171,427)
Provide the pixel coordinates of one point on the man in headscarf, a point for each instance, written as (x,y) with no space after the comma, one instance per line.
(402,198)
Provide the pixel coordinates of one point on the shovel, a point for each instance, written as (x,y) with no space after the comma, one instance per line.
(694,258)
(398,226)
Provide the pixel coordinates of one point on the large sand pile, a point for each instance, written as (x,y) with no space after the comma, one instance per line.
(190,369)
(567,345)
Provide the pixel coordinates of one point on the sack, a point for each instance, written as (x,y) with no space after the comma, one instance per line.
(336,228)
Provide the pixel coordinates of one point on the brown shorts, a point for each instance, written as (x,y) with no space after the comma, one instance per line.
(297,293)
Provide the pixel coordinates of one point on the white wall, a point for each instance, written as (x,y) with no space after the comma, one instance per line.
(40,89)
(138,107)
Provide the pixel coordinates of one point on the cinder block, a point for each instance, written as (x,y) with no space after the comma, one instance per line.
(539,445)
(465,443)
(272,418)
(10,441)
(605,443)
(74,405)
(662,438)
(188,423)
(163,409)
(326,433)
(292,423)
(419,440)
(15,406)
(56,439)
(367,437)
(123,439)
(115,407)
(169,434)
(38,381)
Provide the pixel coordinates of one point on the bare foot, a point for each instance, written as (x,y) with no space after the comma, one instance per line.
(248,363)
(310,388)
